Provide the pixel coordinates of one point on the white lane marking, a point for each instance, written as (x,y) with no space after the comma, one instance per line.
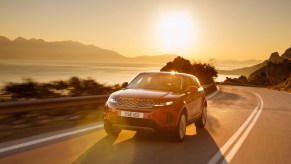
(255,114)
(241,140)
(22,145)
(226,146)
(208,97)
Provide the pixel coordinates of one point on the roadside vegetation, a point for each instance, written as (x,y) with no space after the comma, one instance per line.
(30,89)
(205,72)
(284,86)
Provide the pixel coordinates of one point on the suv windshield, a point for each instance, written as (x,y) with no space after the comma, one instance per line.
(164,82)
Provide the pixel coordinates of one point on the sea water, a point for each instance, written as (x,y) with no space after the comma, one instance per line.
(106,73)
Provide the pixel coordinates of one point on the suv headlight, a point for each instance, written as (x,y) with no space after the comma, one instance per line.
(168,103)
(112,100)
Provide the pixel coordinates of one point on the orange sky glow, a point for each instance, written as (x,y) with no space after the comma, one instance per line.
(223,29)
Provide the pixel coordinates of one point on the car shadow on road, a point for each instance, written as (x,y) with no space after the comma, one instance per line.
(225,98)
(151,148)
(224,95)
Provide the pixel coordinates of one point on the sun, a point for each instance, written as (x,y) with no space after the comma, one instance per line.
(176,33)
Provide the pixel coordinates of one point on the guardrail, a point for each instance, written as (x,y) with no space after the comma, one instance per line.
(207,86)
(27,105)
(246,85)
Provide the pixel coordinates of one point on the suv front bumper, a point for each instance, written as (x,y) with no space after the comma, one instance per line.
(160,119)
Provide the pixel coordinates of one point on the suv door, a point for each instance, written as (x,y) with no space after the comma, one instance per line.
(193,100)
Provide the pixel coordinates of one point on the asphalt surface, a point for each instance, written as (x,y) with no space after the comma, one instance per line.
(244,125)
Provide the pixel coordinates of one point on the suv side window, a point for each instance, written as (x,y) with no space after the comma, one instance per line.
(189,82)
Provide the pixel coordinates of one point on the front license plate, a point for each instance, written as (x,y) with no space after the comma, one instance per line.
(131,114)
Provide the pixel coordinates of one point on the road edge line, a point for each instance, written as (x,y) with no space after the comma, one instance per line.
(50,138)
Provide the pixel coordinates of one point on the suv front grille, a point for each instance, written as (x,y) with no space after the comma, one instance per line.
(135,103)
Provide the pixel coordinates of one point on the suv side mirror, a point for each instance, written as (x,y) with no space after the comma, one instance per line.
(191,90)
(124,85)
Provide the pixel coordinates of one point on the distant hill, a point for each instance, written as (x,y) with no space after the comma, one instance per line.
(275,58)
(274,75)
(37,49)
(287,53)
(247,71)
(40,50)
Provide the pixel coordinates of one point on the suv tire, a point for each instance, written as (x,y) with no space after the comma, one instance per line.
(180,131)
(111,131)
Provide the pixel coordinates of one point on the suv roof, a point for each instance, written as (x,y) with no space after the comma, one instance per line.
(163,72)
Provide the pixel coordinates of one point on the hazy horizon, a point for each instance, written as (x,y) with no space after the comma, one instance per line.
(224,30)
(13,71)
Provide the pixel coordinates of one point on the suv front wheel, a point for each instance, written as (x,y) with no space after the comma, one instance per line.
(111,131)
(180,131)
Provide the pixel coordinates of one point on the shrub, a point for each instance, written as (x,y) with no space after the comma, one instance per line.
(205,72)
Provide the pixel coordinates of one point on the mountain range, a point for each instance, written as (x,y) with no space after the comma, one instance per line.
(40,50)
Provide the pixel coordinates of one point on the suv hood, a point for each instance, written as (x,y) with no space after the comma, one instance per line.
(142,93)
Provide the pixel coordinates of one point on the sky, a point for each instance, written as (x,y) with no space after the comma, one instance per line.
(196,29)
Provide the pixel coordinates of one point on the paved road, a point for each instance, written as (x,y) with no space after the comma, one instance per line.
(245,125)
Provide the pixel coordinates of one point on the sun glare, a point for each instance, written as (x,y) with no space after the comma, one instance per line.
(176,33)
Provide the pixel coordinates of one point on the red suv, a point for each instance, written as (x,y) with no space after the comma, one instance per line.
(160,101)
